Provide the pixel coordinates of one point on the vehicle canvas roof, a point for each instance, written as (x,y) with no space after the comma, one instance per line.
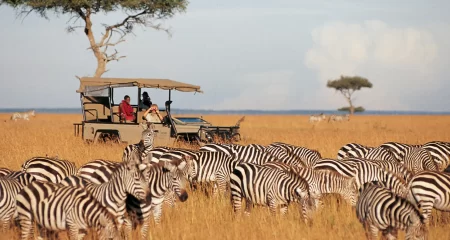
(166,84)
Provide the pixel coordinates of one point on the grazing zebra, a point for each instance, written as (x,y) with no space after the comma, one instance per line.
(306,155)
(23,115)
(419,159)
(212,168)
(144,146)
(127,178)
(380,153)
(164,177)
(49,169)
(321,182)
(280,153)
(271,187)
(399,150)
(10,186)
(365,171)
(440,151)
(317,118)
(56,208)
(353,150)
(378,209)
(339,118)
(430,189)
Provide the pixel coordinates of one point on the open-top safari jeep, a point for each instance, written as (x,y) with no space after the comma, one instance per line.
(101,116)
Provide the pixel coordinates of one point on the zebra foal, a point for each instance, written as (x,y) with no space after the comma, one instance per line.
(57,208)
(379,209)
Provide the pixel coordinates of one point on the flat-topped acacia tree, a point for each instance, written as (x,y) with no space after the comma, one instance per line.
(347,86)
(145,13)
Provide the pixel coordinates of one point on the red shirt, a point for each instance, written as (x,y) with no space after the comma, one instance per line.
(126,110)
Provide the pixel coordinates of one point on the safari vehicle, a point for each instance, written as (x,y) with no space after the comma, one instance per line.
(101,116)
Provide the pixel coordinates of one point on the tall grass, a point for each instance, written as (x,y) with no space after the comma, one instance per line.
(201,217)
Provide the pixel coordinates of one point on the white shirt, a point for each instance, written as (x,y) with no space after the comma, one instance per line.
(153,118)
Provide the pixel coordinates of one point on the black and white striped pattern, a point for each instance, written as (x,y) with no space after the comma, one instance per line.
(339,118)
(353,150)
(5,171)
(49,169)
(399,150)
(216,147)
(418,159)
(317,118)
(127,178)
(269,186)
(306,155)
(58,208)
(440,152)
(378,209)
(23,115)
(10,185)
(144,146)
(380,154)
(97,171)
(430,189)
(365,171)
(395,167)
(324,182)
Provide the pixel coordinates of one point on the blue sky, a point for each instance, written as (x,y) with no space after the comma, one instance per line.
(269,55)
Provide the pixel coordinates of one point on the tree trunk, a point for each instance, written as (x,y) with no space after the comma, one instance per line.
(352,108)
(101,61)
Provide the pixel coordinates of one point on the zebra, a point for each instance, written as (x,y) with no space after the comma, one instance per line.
(144,146)
(157,152)
(23,115)
(10,186)
(216,147)
(270,187)
(365,171)
(379,209)
(317,118)
(127,178)
(380,153)
(5,171)
(399,150)
(321,182)
(430,189)
(49,169)
(440,151)
(339,118)
(56,207)
(419,159)
(282,154)
(306,155)
(353,150)
(97,171)
(394,167)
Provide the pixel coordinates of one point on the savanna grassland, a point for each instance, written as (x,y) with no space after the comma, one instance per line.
(203,218)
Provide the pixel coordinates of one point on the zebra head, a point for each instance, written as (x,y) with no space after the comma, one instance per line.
(417,228)
(300,193)
(108,227)
(176,169)
(135,179)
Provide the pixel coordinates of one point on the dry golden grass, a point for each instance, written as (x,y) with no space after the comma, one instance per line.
(204,218)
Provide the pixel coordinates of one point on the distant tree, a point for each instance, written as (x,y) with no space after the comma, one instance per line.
(348,85)
(347,109)
(144,13)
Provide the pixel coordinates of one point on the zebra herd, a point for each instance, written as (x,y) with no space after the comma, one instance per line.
(334,117)
(391,187)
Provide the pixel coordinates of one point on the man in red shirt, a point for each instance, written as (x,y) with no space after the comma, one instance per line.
(126,110)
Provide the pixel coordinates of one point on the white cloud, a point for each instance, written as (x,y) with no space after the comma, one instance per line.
(391,58)
(261,91)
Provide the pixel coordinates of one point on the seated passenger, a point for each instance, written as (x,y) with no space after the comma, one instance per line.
(126,110)
(152,114)
(145,102)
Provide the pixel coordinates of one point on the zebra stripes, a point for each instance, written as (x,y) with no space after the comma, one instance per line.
(214,147)
(395,167)
(5,171)
(418,159)
(430,189)
(49,169)
(317,118)
(440,152)
(353,150)
(10,186)
(379,209)
(380,153)
(58,208)
(306,155)
(23,115)
(339,118)
(270,187)
(399,150)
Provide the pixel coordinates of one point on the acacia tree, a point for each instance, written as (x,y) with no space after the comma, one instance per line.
(145,13)
(347,86)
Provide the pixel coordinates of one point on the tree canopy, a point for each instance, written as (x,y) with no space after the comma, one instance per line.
(347,109)
(145,13)
(347,85)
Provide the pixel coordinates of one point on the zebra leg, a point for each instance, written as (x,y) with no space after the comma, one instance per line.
(157,210)
(5,224)
(248,206)
(144,228)
(127,227)
(371,232)
(170,199)
(26,227)
(283,209)
(236,201)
